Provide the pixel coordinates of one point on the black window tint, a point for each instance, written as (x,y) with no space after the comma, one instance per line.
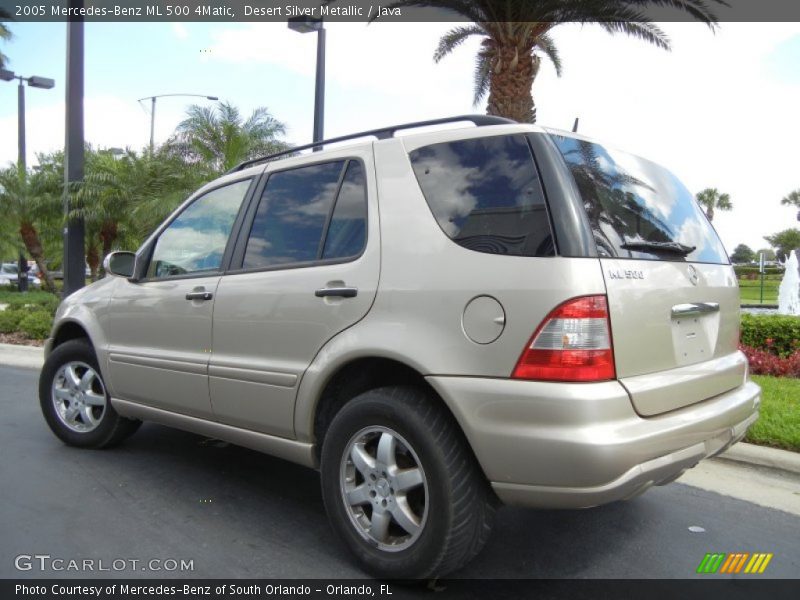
(291,215)
(638,209)
(348,228)
(486,195)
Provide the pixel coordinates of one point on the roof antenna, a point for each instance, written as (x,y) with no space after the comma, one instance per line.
(575,125)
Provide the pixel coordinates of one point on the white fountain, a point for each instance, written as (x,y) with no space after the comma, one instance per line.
(789,290)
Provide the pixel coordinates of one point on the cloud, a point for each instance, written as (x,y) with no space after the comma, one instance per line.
(109,122)
(180,31)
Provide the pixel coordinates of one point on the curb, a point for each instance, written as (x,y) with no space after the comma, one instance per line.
(29,357)
(761,456)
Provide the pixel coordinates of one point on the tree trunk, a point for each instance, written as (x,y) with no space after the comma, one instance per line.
(108,235)
(710,213)
(93,260)
(511,83)
(30,237)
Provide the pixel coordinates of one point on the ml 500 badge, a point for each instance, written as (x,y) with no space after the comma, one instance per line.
(625,274)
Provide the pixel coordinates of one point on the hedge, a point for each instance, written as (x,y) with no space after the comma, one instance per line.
(747,272)
(10,319)
(36,325)
(777,334)
(31,300)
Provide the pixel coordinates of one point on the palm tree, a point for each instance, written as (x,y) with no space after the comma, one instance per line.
(5,34)
(220,138)
(516,36)
(792,198)
(123,198)
(712,200)
(32,201)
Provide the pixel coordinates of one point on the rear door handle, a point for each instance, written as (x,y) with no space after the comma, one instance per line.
(199,295)
(341,292)
(694,309)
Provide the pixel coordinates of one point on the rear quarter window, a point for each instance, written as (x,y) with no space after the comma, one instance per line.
(486,195)
(633,203)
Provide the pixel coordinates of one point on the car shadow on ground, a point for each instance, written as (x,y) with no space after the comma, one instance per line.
(257,497)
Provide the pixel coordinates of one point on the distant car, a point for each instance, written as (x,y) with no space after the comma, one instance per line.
(9,274)
(59,274)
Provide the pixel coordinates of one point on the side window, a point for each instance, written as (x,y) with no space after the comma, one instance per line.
(486,195)
(195,241)
(298,205)
(347,232)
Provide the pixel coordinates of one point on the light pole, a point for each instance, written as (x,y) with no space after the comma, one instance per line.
(74,230)
(34,81)
(307,25)
(153,110)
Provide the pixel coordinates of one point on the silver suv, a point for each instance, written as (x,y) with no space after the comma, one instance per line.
(439,322)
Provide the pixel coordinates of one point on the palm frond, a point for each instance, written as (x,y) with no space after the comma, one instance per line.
(548,47)
(454,38)
(792,198)
(483,70)
(645,31)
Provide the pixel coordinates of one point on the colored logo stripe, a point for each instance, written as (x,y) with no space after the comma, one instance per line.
(759,562)
(720,562)
(710,563)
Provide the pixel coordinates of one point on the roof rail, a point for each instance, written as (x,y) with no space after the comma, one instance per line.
(381,134)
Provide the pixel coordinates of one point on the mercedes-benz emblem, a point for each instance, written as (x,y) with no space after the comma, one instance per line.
(692,273)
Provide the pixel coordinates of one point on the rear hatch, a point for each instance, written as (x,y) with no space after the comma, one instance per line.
(672,294)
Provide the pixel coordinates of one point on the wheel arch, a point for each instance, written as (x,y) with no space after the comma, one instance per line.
(69,330)
(80,323)
(356,376)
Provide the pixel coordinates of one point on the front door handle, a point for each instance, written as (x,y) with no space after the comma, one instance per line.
(199,295)
(341,292)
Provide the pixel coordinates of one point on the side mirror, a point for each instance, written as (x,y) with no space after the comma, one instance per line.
(120,264)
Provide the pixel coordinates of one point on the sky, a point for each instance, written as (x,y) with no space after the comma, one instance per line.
(719,110)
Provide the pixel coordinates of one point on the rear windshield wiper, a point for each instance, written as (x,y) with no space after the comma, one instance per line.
(671,247)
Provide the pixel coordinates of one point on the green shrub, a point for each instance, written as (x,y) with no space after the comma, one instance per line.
(747,272)
(9,320)
(778,334)
(31,301)
(36,325)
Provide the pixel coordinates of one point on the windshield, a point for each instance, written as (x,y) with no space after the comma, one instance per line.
(10,269)
(638,209)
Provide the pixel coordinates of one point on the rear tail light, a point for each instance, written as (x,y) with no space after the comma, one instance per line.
(573,343)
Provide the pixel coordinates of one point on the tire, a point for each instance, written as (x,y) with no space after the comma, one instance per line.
(75,402)
(420,488)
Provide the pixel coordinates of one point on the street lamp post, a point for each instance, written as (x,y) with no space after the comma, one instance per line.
(74,229)
(307,25)
(34,81)
(38,82)
(153,111)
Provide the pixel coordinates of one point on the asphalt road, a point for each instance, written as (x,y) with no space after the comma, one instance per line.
(166,494)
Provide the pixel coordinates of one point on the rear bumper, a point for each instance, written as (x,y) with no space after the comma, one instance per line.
(579,445)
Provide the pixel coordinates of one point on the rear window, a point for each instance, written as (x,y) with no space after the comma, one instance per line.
(486,195)
(638,209)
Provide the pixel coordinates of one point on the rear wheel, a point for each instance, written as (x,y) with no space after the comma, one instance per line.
(401,486)
(75,402)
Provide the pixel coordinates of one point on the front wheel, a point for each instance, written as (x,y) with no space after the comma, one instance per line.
(401,486)
(75,402)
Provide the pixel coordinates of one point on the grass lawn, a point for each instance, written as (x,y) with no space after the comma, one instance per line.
(750,291)
(779,423)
